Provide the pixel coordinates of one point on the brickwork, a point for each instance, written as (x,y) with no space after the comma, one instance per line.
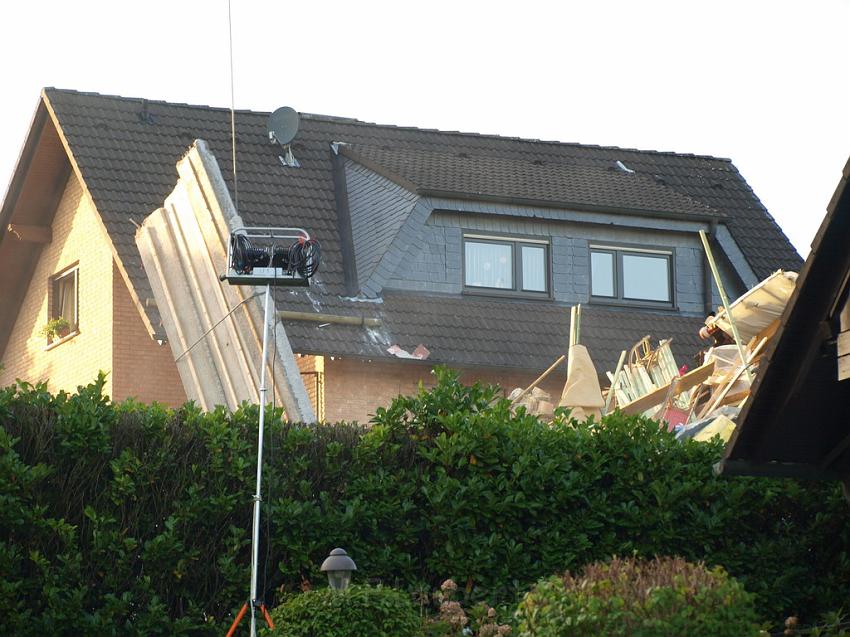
(77,238)
(141,368)
(355,388)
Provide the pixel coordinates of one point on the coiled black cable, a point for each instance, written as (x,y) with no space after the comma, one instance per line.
(302,257)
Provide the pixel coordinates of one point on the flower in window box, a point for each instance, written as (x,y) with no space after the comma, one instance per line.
(56,328)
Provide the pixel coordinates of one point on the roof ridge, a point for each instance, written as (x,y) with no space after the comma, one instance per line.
(359,122)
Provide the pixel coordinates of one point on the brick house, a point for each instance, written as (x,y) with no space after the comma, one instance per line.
(474,246)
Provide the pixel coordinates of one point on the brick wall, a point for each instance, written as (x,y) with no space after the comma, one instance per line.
(141,368)
(77,238)
(355,388)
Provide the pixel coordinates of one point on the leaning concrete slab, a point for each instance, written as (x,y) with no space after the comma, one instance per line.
(216,347)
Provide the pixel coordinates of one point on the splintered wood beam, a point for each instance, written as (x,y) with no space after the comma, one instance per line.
(30,234)
(693,378)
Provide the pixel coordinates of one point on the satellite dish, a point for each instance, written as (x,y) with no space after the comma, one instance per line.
(283,125)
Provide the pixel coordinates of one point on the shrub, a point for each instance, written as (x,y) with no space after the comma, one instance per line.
(633,597)
(353,612)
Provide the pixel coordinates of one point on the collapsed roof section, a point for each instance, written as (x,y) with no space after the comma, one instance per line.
(215,345)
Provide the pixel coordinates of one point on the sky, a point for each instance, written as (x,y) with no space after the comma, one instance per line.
(764,83)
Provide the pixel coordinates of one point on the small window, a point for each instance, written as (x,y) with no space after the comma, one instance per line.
(634,274)
(64,292)
(506,264)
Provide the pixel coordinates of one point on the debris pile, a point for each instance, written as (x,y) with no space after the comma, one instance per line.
(698,403)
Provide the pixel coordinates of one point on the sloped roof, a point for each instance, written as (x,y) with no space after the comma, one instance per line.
(126,149)
(565,184)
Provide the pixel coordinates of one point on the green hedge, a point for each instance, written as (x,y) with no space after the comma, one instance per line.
(128,519)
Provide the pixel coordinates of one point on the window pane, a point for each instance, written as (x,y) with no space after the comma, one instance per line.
(602,273)
(66,297)
(646,278)
(534,268)
(489,265)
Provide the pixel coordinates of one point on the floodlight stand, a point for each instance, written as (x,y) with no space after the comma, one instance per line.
(269,276)
(253,602)
(255,539)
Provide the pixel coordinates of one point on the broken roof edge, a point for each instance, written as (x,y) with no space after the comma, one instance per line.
(359,122)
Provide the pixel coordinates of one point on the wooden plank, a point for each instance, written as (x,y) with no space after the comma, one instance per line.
(656,397)
(539,379)
(844,317)
(843,343)
(844,367)
(30,234)
(720,394)
(767,333)
(734,398)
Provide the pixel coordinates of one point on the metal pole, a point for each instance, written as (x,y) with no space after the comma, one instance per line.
(255,535)
(725,300)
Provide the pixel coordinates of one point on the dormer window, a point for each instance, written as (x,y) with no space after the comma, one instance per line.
(506,264)
(627,274)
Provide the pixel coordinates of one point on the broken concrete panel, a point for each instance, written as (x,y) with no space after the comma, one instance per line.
(217,348)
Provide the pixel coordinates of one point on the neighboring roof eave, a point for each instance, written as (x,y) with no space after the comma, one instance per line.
(805,326)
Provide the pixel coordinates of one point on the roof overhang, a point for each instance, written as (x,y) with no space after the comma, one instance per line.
(31,199)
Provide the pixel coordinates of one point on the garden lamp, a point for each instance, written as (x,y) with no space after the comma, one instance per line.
(338,567)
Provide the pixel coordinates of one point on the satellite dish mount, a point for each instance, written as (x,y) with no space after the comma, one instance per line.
(282,128)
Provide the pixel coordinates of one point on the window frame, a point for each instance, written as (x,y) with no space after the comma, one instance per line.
(618,250)
(516,242)
(53,309)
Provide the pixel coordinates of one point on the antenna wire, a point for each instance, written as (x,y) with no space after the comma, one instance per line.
(232,110)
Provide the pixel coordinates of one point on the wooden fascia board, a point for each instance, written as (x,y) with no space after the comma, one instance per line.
(123,270)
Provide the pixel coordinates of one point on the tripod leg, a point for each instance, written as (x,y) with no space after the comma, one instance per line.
(238,619)
(267,616)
